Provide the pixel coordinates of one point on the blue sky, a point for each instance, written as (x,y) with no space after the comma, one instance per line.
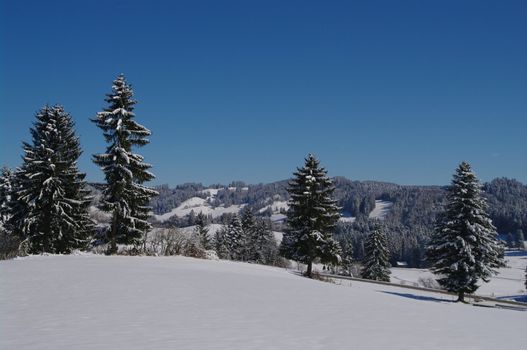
(398,91)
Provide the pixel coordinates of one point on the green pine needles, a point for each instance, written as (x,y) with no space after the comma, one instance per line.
(51,212)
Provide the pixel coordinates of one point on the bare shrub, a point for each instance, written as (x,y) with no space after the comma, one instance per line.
(428,282)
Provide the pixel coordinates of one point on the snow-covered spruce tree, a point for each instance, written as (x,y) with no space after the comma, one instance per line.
(124,197)
(202,232)
(235,239)
(16,212)
(377,257)
(346,266)
(250,249)
(6,188)
(55,218)
(464,248)
(264,245)
(220,244)
(311,217)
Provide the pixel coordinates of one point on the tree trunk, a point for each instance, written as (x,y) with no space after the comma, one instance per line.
(460,297)
(309,269)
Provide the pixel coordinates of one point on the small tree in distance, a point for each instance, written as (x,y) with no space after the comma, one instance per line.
(202,232)
(520,239)
(377,256)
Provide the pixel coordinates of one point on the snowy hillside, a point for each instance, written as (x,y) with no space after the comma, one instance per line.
(275,206)
(277,209)
(380,211)
(100,302)
(508,284)
(199,205)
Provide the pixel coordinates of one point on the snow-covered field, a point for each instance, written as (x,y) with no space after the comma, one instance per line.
(276,207)
(508,284)
(99,302)
(381,209)
(379,212)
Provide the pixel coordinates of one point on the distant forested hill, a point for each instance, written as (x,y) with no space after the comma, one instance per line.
(414,207)
(409,218)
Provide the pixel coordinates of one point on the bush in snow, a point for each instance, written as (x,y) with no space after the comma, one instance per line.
(428,282)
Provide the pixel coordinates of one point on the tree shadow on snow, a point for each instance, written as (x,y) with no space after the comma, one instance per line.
(520,298)
(516,253)
(418,297)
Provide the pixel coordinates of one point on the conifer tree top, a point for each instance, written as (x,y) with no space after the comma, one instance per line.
(121,96)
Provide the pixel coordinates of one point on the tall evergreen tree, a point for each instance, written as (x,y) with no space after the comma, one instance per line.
(464,248)
(377,257)
(54,217)
(125,196)
(311,218)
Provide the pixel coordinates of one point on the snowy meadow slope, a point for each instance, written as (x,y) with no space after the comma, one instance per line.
(508,284)
(94,302)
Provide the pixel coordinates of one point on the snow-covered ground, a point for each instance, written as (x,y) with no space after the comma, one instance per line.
(278,217)
(276,207)
(381,209)
(197,205)
(100,302)
(346,217)
(508,284)
(211,192)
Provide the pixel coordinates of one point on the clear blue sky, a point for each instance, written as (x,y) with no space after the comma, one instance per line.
(399,91)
